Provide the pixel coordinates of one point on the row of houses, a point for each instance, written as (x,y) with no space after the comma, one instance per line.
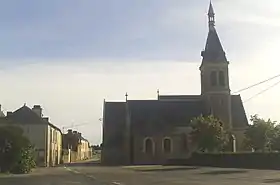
(48,139)
(76,147)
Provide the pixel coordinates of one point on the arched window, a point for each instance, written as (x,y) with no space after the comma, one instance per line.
(222,78)
(213,78)
(148,145)
(167,144)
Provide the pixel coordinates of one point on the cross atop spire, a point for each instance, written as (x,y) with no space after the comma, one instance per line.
(158,93)
(211,16)
(126,95)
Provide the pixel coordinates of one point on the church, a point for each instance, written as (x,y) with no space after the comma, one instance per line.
(151,131)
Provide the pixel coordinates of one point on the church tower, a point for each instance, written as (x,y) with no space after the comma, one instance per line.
(215,88)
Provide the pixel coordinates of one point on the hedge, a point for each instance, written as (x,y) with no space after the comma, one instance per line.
(231,160)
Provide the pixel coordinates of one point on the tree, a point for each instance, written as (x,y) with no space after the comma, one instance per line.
(261,134)
(275,144)
(16,152)
(208,134)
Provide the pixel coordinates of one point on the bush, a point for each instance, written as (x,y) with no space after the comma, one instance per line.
(26,162)
(254,160)
(16,152)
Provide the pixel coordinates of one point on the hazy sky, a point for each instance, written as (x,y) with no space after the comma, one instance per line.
(69,55)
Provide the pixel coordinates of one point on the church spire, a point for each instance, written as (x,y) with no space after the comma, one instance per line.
(213,51)
(211,16)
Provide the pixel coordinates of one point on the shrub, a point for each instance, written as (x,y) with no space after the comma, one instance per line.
(26,162)
(16,152)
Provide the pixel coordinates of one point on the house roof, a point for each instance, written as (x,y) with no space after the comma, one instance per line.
(25,115)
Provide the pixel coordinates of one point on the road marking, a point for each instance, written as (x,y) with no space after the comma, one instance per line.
(77,172)
(116,183)
(74,171)
(91,176)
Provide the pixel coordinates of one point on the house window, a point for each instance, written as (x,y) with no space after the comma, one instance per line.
(213,78)
(167,145)
(51,136)
(55,137)
(222,78)
(148,146)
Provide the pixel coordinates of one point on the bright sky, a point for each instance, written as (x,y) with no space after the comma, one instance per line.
(69,55)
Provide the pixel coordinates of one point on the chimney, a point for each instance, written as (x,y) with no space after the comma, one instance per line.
(9,113)
(46,119)
(79,134)
(75,132)
(38,110)
(69,130)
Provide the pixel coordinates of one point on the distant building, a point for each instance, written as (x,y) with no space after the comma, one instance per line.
(74,141)
(152,131)
(46,137)
(1,112)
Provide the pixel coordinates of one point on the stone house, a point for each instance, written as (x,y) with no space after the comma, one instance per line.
(152,131)
(46,137)
(74,141)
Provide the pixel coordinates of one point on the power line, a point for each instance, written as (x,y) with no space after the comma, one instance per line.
(261,92)
(73,126)
(251,86)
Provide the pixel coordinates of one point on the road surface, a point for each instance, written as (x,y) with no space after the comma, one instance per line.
(48,176)
(93,174)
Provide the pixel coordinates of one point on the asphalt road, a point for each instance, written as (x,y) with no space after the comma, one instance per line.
(92,174)
(176,175)
(49,176)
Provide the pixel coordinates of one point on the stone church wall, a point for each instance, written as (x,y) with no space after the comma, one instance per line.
(159,156)
(113,136)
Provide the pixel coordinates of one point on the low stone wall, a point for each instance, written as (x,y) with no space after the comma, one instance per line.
(250,160)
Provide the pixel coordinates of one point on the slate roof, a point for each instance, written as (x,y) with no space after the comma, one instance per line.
(150,116)
(211,10)
(238,113)
(156,116)
(25,115)
(213,51)
(180,97)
